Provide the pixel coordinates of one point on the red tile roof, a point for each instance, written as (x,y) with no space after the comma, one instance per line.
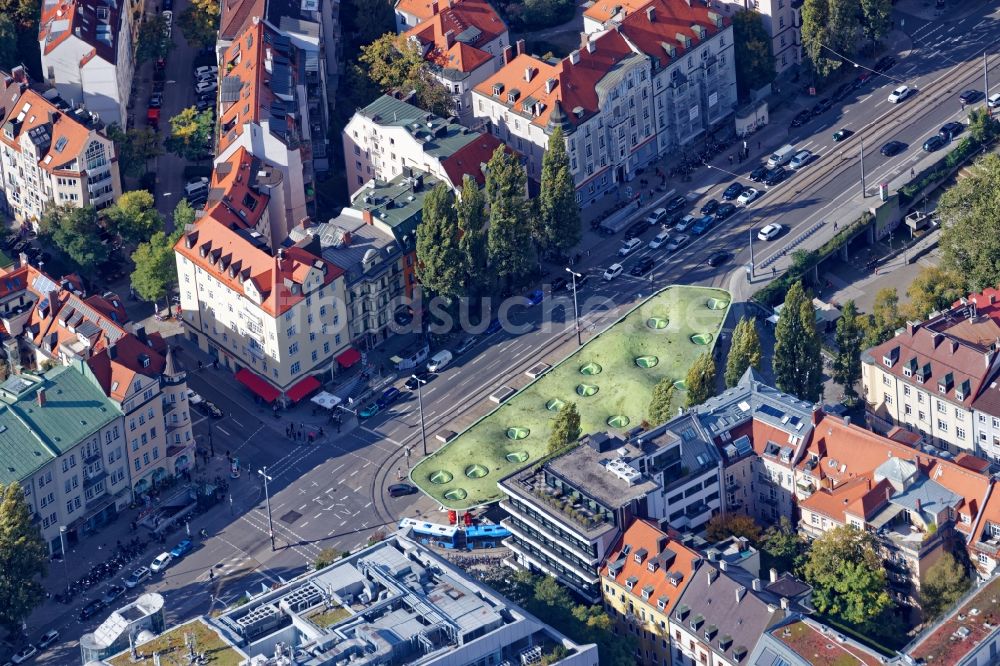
(237,14)
(659,37)
(67,137)
(860,497)
(470,158)
(62,18)
(232,200)
(422,9)
(445,49)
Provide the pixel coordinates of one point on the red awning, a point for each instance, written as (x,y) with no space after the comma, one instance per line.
(302,388)
(349,357)
(257,384)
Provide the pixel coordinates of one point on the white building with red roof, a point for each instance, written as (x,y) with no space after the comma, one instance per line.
(88,54)
(52,155)
(642,88)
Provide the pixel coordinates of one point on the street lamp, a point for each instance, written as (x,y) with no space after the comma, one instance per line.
(62,543)
(576,307)
(420,408)
(267,499)
(751,253)
(863,188)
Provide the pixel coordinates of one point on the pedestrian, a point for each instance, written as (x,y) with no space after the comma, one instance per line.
(199,365)
(834,226)
(774,271)
(911,172)
(730,160)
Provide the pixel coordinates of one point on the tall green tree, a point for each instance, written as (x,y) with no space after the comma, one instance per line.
(983,125)
(471,209)
(725,525)
(565,428)
(700,380)
(183,215)
(200,23)
(8,43)
(559,213)
(439,261)
(510,247)
(884,319)
(848,577)
(933,288)
(970,218)
(875,18)
(783,546)
(23,560)
(659,405)
(943,584)
(76,232)
(754,60)
(191,134)
(134,217)
(366,20)
(829,27)
(396,63)
(155,271)
(847,363)
(135,148)
(744,351)
(153,41)
(797,362)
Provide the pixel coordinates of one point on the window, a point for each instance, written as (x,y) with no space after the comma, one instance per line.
(959,414)
(294,368)
(942,409)
(293,349)
(922,416)
(920,398)
(887,398)
(960,432)
(885,380)
(942,426)
(907,409)
(906,390)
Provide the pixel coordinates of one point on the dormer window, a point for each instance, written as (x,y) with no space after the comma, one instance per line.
(630,583)
(640,555)
(661,603)
(653,565)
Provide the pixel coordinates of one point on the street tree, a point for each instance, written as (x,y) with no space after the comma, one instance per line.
(744,351)
(153,41)
(983,126)
(396,63)
(155,271)
(782,545)
(76,232)
(876,19)
(754,60)
(970,218)
(439,261)
(23,560)
(659,406)
(510,247)
(191,134)
(725,525)
(183,214)
(829,28)
(933,288)
(559,213)
(200,23)
(565,428)
(848,576)
(24,13)
(700,380)
(135,147)
(884,319)
(9,57)
(471,208)
(797,362)
(134,217)
(942,585)
(847,363)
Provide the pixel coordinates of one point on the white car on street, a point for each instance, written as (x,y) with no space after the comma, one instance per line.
(770,232)
(656,216)
(206,86)
(206,70)
(161,562)
(614,270)
(659,240)
(993,101)
(899,94)
(685,223)
(676,242)
(629,246)
(748,197)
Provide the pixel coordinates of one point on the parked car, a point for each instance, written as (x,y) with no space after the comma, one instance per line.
(801,118)
(643,266)
(24,655)
(182,549)
(495,325)
(439,361)
(893,148)
(749,195)
(659,240)
(994,101)
(418,377)
(113,592)
(676,242)
(614,270)
(702,225)
(676,204)
(884,64)
(935,142)
(401,489)
(388,397)
(775,176)
(724,211)
(801,159)
(770,232)
(900,94)
(637,229)
(369,411)
(136,577)
(951,130)
(822,106)
(558,284)
(211,409)
(535,297)
(91,609)
(156,100)
(160,562)
(194,398)
(656,217)
(710,207)
(758,174)
(206,70)
(685,223)
(47,639)
(205,86)
(970,96)
(719,258)
(734,190)
(841,134)
(629,246)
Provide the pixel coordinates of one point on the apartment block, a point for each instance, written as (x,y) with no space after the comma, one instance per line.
(800,640)
(390,604)
(52,155)
(269,316)
(390,135)
(644,577)
(966,635)
(64,441)
(88,54)
(643,85)
(462,41)
(782,20)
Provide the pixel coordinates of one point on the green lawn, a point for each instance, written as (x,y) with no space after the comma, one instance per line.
(657,333)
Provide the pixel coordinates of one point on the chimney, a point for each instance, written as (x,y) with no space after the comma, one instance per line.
(847,420)
(919,505)
(724,565)
(449,38)
(757,585)
(41,397)
(591,46)
(784,603)
(529,72)
(434,8)
(651,14)
(140,332)
(574,57)
(774,575)
(550,85)
(888,494)
(520,47)
(508,54)
(817,414)
(740,591)
(22,259)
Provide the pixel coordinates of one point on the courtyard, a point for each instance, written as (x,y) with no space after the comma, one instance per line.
(610,378)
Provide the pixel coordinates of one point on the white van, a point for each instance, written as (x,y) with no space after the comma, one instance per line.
(196,186)
(439,361)
(781,156)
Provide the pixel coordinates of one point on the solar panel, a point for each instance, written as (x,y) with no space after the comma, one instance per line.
(772,411)
(743,446)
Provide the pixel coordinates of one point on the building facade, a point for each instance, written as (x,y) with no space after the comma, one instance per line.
(782,20)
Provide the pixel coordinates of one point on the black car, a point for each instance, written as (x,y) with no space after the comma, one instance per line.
(724,211)
(91,609)
(211,409)
(936,142)
(822,106)
(643,266)
(637,229)
(710,207)
(670,221)
(411,383)
(719,258)
(775,176)
(155,100)
(843,91)
(893,148)
(801,118)
(758,174)
(559,284)
(734,190)
(884,64)
(970,96)
(401,489)
(675,204)
(951,130)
